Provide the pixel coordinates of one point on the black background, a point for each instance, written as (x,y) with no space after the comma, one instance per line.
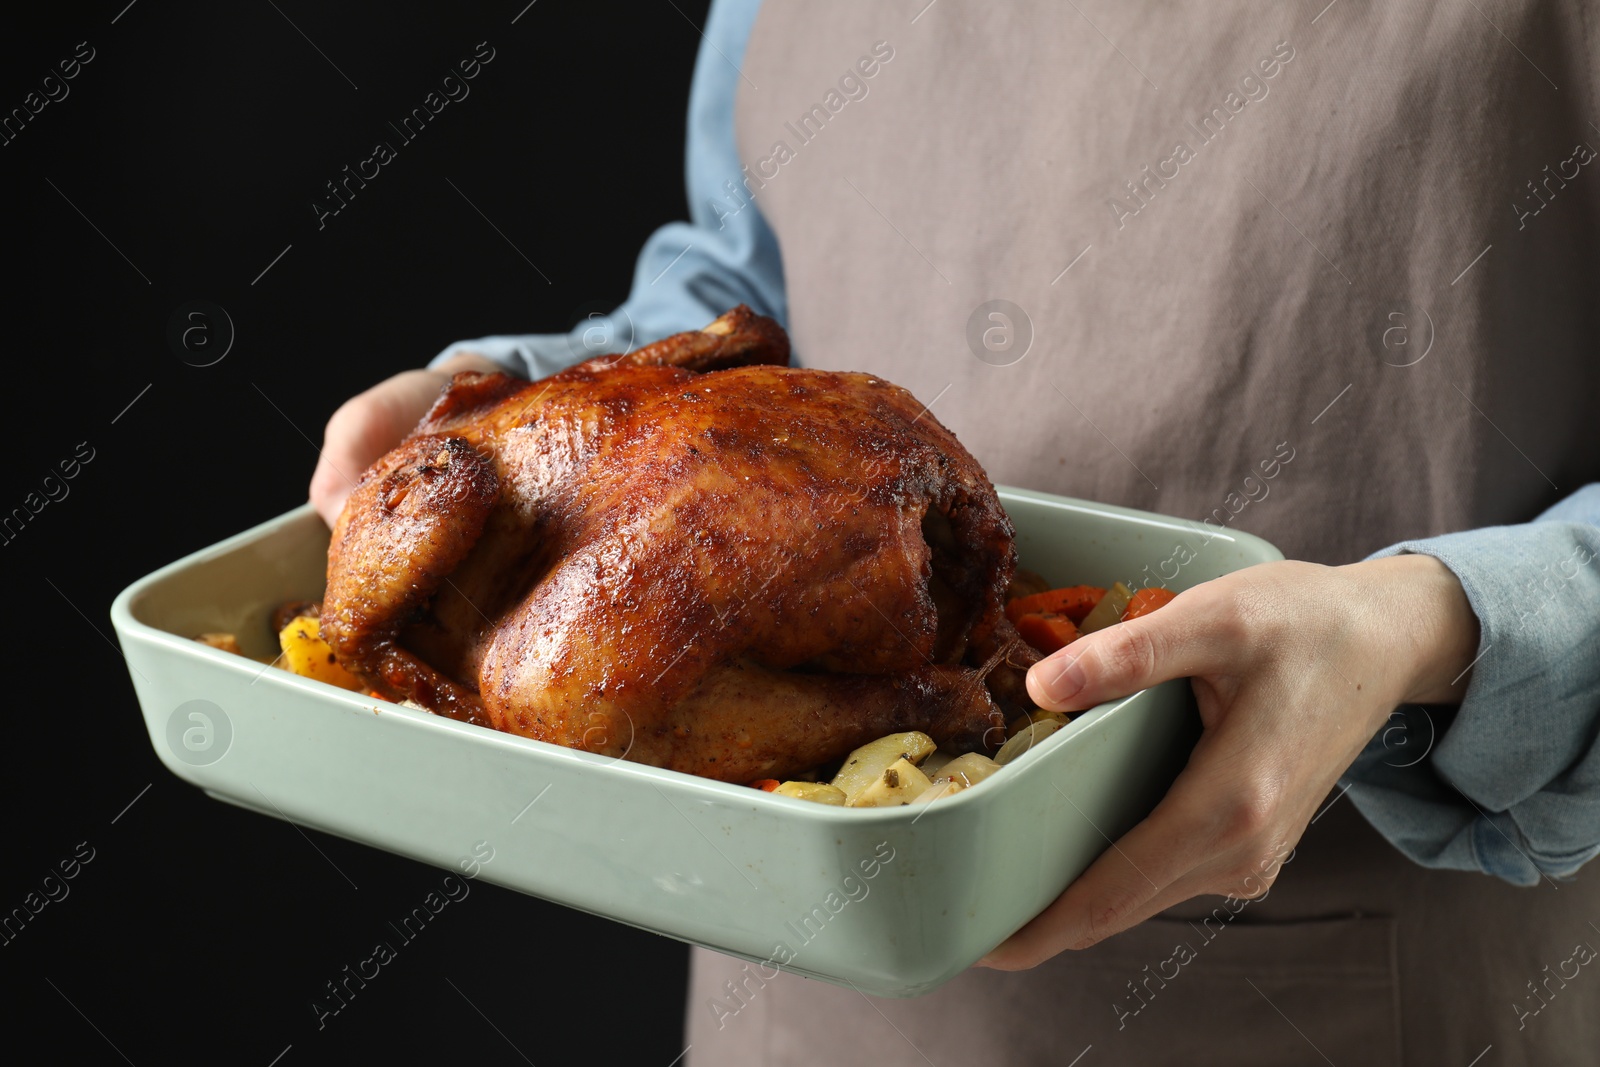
(195,142)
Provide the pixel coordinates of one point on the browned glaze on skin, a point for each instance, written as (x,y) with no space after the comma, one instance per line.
(690,555)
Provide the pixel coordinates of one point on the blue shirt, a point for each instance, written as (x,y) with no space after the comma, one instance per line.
(1507,784)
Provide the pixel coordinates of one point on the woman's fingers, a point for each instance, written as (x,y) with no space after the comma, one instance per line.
(342,457)
(1043,938)
(364,428)
(1132,879)
(1215,832)
(1111,896)
(370,424)
(1212,835)
(1193,634)
(1237,881)
(1295,666)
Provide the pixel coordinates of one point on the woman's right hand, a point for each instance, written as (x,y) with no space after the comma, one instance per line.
(371,423)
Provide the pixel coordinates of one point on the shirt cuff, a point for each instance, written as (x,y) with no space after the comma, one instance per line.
(1509,784)
(535,356)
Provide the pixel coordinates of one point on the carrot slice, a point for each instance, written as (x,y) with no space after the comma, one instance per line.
(1047,631)
(766,784)
(1147,600)
(1075,602)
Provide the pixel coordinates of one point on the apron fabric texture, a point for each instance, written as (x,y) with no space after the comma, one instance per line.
(1142,254)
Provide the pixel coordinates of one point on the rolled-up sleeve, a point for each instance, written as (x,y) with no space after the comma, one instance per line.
(688,273)
(1509,784)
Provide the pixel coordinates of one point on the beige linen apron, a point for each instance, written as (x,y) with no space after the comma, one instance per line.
(1223,234)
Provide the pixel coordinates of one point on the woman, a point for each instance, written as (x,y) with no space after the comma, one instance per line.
(1149,259)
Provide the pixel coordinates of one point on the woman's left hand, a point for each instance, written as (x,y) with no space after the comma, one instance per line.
(1295,667)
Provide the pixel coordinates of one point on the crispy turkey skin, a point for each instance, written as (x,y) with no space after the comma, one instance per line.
(691,555)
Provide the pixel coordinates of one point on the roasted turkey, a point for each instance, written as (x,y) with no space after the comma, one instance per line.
(692,555)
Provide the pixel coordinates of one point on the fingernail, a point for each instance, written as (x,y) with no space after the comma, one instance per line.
(1060,678)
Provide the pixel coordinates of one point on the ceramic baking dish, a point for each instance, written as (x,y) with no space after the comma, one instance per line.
(891,901)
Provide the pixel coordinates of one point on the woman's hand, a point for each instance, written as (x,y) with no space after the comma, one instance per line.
(1295,667)
(371,423)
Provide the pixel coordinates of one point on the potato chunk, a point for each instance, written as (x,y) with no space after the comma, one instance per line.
(222,642)
(941,788)
(1109,610)
(1022,722)
(817,792)
(1026,740)
(969,769)
(900,783)
(308,655)
(866,764)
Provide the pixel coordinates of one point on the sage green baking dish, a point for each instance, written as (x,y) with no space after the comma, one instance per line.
(892,901)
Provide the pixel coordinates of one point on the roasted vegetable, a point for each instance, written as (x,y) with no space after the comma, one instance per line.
(816,792)
(1147,600)
(222,642)
(969,769)
(900,783)
(941,788)
(1047,632)
(1075,602)
(1022,722)
(308,655)
(1024,741)
(1109,610)
(866,764)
